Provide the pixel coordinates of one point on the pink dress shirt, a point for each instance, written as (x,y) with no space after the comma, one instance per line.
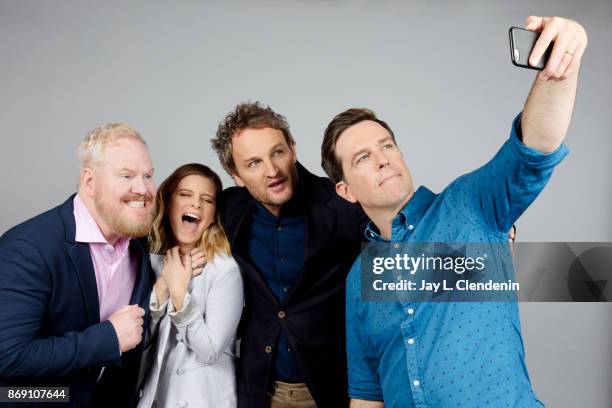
(115,269)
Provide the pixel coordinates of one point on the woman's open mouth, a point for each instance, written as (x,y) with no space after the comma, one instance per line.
(190,222)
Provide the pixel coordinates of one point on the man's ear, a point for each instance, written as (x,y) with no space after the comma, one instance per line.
(238,180)
(344,191)
(87,182)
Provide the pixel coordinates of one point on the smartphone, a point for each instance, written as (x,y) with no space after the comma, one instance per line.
(521,44)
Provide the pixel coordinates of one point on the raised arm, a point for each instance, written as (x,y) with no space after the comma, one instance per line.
(550,103)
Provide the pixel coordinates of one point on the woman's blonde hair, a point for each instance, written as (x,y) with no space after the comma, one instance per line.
(213,240)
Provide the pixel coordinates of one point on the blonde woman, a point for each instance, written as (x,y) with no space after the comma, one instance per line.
(197,298)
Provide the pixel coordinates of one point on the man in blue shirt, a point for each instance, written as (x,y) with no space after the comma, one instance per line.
(449,354)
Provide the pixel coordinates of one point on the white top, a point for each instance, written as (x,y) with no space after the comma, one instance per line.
(194,363)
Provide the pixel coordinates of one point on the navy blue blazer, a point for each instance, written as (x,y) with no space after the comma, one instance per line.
(50,329)
(312,317)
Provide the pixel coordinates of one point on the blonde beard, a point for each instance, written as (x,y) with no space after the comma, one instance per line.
(123,226)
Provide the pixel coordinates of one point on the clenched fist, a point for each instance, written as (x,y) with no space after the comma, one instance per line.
(127,323)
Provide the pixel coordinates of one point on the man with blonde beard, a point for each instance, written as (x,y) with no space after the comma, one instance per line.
(75,286)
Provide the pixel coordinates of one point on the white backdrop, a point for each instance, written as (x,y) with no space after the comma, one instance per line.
(439,73)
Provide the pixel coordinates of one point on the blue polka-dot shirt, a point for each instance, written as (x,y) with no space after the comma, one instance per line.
(450,354)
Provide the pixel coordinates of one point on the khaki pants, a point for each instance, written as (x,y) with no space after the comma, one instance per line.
(285,395)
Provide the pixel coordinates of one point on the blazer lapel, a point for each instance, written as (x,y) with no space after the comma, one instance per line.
(237,239)
(141,293)
(320,219)
(81,261)
(83,267)
(320,225)
(235,225)
(143,283)
(163,335)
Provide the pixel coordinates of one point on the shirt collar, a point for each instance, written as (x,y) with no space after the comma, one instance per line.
(87,230)
(411,213)
(263,212)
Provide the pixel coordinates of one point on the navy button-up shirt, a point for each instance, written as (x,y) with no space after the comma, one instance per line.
(277,247)
(450,354)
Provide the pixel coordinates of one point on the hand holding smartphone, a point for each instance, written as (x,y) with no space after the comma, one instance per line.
(553,45)
(521,45)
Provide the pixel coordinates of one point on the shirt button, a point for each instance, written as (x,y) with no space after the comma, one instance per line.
(280,228)
(416,383)
(285,289)
(410,311)
(411,227)
(179,337)
(396,246)
(182,403)
(179,371)
(268,349)
(281,314)
(410,341)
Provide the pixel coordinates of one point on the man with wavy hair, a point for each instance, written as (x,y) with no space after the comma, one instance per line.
(294,240)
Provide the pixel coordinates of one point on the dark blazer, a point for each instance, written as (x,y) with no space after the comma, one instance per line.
(312,317)
(50,330)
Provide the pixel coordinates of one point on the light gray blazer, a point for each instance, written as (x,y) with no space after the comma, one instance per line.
(194,364)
